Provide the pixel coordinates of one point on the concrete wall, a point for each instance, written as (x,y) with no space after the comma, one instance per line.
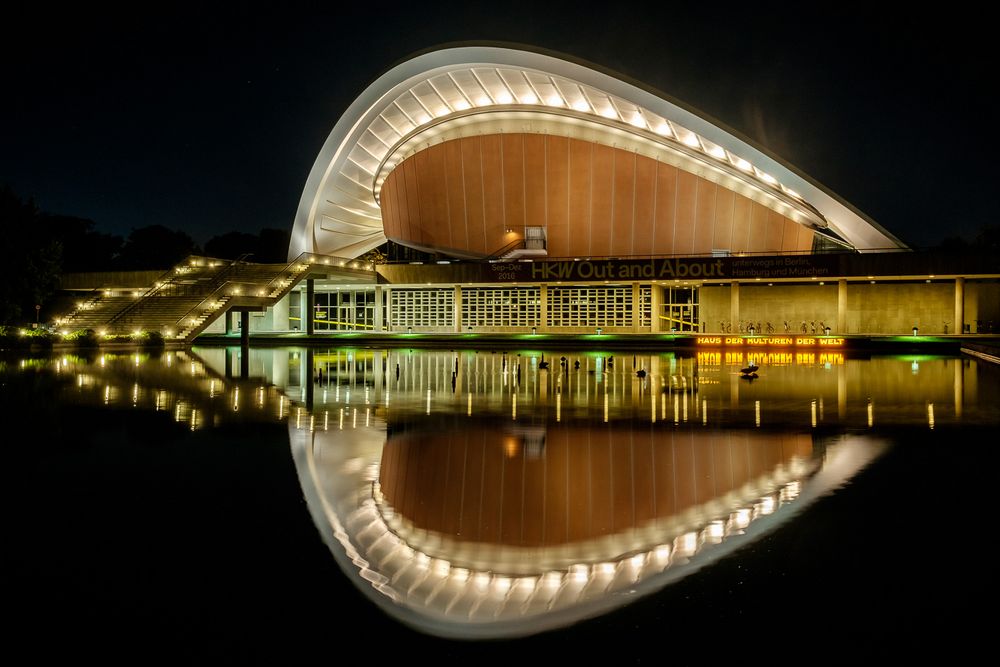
(982,303)
(895,308)
(110,279)
(713,304)
(761,303)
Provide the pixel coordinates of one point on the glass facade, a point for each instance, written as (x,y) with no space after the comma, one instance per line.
(344,310)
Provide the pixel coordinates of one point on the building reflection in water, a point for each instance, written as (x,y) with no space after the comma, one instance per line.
(480,494)
(476,530)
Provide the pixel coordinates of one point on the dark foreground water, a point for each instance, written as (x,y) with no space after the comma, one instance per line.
(208,507)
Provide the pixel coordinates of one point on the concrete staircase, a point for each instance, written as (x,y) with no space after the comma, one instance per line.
(193,294)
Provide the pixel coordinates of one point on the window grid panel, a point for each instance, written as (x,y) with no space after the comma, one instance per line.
(590,307)
(501,308)
(424,309)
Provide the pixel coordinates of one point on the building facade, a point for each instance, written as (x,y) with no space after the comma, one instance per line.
(549,195)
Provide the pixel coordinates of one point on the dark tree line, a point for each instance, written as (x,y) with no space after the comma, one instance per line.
(40,246)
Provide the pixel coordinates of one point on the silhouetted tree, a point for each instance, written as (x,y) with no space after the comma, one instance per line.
(953,244)
(29,273)
(83,247)
(233,244)
(272,246)
(269,247)
(988,238)
(155,247)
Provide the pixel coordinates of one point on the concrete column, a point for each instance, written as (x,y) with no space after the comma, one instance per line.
(734,305)
(655,306)
(279,317)
(229,322)
(309,384)
(959,384)
(636,308)
(959,305)
(378,308)
(543,308)
(842,392)
(309,307)
(244,329)
(842,306)
(304,376)
(388,309)
(279,369)
(458,309)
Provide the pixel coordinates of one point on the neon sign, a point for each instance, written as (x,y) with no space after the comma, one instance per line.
(770,341)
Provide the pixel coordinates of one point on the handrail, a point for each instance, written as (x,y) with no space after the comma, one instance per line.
(159,283)
(219,284)
(513,245)
(217,281)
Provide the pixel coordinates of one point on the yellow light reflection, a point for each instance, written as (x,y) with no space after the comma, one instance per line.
(871,413)
(605,408)
(812,410)
(704,411)
(930,415)
(511,446)
(558,407)
(513,407)
(756,412)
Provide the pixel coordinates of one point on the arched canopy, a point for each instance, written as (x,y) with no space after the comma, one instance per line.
(454,92)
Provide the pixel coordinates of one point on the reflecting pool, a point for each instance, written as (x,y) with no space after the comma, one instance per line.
(481,494)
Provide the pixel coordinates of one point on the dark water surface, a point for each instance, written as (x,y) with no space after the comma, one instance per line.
(208,507)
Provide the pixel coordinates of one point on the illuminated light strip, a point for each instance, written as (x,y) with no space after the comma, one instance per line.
(486,595)
(560,558)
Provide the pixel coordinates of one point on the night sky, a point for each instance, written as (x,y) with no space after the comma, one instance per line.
(210,122)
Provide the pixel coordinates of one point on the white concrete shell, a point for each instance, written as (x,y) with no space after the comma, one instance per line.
(446,93)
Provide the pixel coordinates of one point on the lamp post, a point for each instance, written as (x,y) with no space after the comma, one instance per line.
(38,309)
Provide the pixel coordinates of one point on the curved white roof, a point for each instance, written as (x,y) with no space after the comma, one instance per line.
(474,89)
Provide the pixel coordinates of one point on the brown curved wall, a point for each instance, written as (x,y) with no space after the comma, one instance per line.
(484,487)
(594,200)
